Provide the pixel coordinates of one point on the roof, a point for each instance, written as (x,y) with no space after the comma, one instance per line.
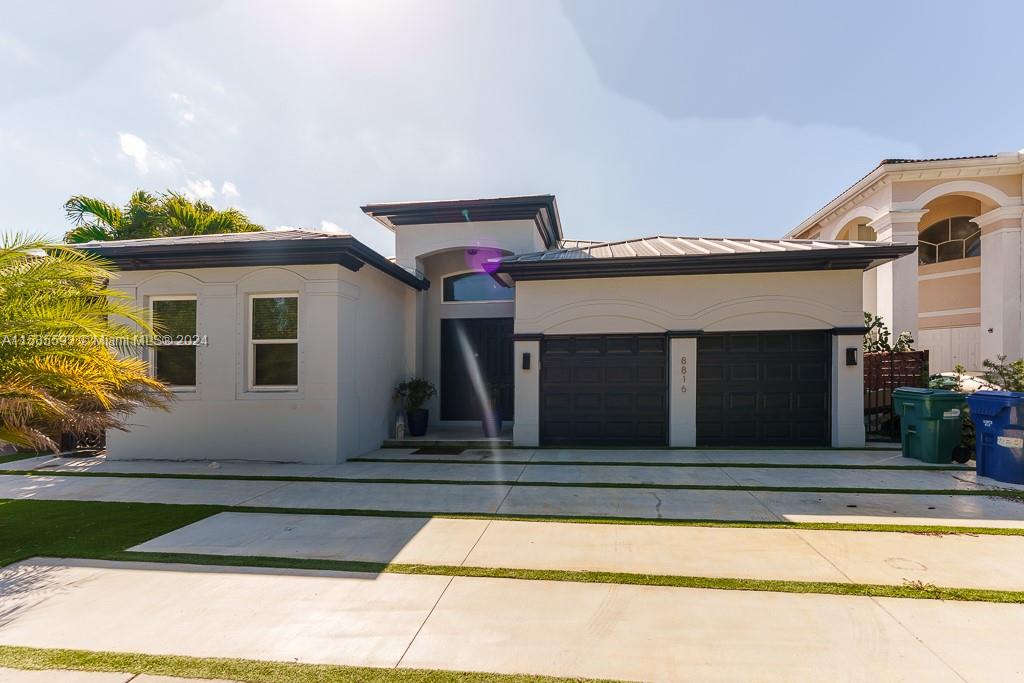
(883,162)
(271,247)
(670,255)
(880,170)
(540,208)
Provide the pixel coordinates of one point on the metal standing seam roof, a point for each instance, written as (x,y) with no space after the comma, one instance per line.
(670,255)
(664,245)
(218,238)
(271,247)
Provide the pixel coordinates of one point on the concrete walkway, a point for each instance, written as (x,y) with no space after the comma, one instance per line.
(500,625)
(652,503)
(782,554)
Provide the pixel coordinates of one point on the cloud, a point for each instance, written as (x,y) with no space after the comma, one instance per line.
(186,114)
(328,226)
(145,157)
(200,188)
(229,189)
(136,148)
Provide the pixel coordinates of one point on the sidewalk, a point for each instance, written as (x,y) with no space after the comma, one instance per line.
(502,625)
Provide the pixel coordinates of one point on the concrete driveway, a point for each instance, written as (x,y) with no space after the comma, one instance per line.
(567,628)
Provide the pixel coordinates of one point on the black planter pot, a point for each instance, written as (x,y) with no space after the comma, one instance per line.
(416,421)
(492,428)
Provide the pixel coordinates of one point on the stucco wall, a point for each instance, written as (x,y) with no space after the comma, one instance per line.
(413,242)
(223,419)
(753,301)
(739,302)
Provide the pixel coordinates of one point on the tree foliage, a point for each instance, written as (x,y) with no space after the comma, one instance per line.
(169,214)
(65,346)
(1010,376)
(878,339)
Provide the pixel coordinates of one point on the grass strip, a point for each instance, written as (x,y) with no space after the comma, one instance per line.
(998,493)
(912,590)
(89,529)
(754,465)
(243,670)
(11,457)
(98,530)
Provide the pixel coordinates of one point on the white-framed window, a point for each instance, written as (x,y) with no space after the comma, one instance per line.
(274,342)
(474,286)
(172,357)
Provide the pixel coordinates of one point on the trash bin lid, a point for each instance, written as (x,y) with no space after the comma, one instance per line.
(991,403)
(924,392)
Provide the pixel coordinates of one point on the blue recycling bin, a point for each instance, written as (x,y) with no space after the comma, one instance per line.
(999,434)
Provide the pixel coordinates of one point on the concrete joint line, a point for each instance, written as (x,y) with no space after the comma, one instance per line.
(424,622)
(753,495)
(918,639)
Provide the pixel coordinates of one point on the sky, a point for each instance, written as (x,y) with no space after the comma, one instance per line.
(710,117)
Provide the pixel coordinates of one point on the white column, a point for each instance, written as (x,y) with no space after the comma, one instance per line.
(1001,286)
(847,392)
(526,427)
(682,387)
(896,281)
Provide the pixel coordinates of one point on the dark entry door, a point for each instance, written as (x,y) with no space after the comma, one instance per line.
(476,353)
(764,388)
(604,390)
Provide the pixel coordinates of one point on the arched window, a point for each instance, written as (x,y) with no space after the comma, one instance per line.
(948,240)
(475,287)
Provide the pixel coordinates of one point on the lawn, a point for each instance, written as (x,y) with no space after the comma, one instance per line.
(58,528)
(11,457)
(245,670)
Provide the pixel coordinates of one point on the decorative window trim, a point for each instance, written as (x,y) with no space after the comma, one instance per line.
(935,246)
(469,271)
(151,352)
(252,343)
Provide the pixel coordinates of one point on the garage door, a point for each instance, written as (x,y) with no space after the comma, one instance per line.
(604,390)
(763,389)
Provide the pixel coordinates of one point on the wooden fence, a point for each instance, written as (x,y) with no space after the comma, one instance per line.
(884,372)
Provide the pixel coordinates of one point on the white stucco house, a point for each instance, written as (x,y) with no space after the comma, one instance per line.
(648,342)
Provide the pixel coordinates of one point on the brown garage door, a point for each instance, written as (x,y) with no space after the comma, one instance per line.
(763,389)
(604,390)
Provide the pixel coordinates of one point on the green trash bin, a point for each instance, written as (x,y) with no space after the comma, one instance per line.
(930,422)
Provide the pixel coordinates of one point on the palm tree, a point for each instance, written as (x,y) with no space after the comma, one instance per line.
(169,214)
(66,343)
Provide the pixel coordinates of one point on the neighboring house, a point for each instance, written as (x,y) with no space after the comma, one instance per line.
(658,341)
(960,295)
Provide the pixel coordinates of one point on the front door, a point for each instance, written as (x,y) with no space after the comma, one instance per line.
(476,358)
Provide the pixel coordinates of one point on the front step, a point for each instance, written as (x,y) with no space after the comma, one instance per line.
(498,443)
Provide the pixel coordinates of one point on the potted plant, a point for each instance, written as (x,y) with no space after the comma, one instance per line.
(490,417)
(413,393)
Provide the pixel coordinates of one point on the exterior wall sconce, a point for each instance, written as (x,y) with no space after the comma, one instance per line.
(526,361)
(851,356)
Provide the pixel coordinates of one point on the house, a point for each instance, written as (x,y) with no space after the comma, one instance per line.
(286,345)
(960,295)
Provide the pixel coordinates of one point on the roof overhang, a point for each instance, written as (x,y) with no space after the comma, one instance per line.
(861,258)
(893,170)
(541,209)
(343,250)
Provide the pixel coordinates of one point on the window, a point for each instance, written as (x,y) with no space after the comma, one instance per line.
(274,342)
(475,287)
(948,240)
(173,358)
